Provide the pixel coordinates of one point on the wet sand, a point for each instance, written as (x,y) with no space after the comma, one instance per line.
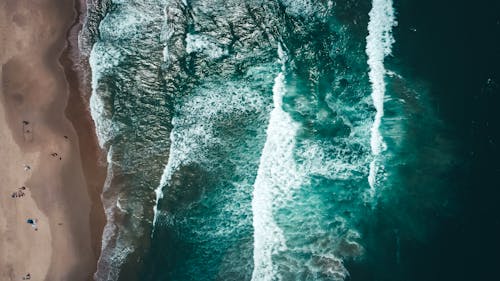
(44,123)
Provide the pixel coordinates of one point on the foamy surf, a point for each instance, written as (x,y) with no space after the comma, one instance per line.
(193,134)
(378,45)
(276,177)
(159,194)
(165,177)
(113,253)
(101,59)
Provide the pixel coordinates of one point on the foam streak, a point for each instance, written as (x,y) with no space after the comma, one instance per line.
(378,45)
(276,176)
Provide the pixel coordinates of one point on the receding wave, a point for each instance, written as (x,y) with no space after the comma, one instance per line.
(131,112)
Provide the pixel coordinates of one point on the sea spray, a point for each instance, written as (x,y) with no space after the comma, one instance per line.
(378,45)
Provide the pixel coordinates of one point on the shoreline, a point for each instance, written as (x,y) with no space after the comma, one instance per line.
(48,137)
(77,72)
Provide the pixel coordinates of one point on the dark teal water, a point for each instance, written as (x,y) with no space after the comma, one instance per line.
(283,140)
(455,53)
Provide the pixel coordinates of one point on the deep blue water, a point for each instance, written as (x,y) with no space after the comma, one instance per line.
(298,140)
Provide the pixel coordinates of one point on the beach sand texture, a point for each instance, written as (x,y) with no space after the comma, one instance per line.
(34,131)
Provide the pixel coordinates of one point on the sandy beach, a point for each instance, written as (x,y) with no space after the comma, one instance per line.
(50,172)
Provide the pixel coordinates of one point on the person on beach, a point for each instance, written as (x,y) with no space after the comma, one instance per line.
(27,167)
(17,194)
(33,223)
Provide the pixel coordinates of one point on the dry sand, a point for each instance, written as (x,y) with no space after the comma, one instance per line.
(61,191)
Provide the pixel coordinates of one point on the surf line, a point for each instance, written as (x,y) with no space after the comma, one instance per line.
(277,176)
(378,45)
(166,176)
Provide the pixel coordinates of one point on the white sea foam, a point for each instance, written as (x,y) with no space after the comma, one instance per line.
(107,183)
(125,22)
(305,8)
(163,181)
(204,44)
(166,33)
(192,136)
(378,45)
(102,58)
(112,256)
(276,177)
(336,162)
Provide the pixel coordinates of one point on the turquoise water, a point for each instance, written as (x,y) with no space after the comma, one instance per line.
(264,140)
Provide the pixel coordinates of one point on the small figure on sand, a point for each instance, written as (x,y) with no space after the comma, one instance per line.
(55,155)
(27,131)
(27,276)
(17,194)
(33,223)
(66,137)
(27,167)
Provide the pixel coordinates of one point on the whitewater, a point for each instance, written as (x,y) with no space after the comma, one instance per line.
(276,176)
(378,45)
(229,159)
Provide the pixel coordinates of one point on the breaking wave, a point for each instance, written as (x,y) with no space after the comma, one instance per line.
(378,45)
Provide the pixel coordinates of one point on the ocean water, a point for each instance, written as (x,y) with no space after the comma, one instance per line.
(279,139)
